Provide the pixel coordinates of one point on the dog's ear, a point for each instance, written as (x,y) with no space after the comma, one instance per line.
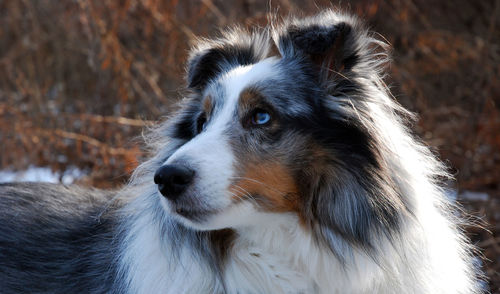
(209,58)
(333,43)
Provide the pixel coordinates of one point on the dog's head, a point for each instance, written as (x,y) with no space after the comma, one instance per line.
(263,135)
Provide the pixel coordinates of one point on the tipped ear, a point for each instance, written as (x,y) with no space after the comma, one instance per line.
(211,58)
(329,41)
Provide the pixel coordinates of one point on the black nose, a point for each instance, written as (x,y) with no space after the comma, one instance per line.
(173,179)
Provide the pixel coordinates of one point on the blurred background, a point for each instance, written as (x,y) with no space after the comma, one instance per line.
(80,80)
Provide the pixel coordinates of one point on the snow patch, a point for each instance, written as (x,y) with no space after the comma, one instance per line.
(474,196)
(452,194)
(42,174)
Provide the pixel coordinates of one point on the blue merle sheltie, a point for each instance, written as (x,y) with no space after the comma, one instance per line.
(287,168)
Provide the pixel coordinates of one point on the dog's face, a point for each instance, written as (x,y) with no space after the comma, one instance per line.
(270,135)
(248,148)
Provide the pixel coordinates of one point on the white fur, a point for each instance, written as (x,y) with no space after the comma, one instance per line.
(149,268)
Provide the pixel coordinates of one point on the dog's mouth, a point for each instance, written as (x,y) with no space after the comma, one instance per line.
(193,214)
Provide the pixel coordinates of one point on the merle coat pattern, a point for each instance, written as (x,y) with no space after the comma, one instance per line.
(299,175)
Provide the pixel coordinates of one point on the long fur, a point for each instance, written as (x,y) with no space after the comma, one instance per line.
(348,200)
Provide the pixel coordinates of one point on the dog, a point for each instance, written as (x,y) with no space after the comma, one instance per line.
(288,168)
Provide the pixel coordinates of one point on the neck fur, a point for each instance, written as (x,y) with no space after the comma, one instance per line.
(284,257)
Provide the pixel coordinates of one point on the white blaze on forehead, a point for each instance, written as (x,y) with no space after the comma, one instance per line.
(241,77)
(237,80)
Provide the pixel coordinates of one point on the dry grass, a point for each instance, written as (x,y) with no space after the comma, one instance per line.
(80,79)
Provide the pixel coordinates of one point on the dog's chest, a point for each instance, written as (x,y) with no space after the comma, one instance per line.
(251,269)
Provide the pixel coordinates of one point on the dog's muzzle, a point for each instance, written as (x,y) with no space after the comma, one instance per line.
(173,180)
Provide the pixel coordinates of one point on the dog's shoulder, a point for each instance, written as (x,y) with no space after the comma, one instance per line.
(37,195)
(56,237)
(45,207)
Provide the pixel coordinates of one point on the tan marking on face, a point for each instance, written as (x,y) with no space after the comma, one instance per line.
(270,184)
(249,98)
(207,105)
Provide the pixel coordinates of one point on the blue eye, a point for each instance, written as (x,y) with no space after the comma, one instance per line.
(260,118)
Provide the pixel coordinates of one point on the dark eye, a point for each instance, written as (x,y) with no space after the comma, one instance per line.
(260,117)
(201,123)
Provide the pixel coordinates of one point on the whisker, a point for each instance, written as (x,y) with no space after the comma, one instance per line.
(247,194)
(261,183)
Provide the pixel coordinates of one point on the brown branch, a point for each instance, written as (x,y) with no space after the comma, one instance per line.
(112,119)
(82,138)
(92,117)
